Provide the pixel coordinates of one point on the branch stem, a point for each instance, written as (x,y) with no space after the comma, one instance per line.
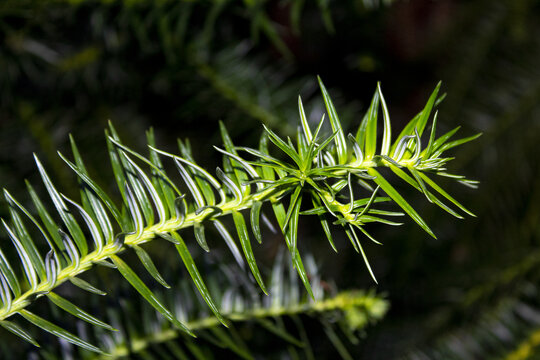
(150,232)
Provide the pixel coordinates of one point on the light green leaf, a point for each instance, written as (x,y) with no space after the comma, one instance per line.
(96,234)
(341,144)
(323,221)
(191,164)
(231,185)
(418,146)
(58,331)
(198,229)
(431,136)
(169,238)
(64,213)
(118,172)
(292,224)
(89,199)
(444,193)
(420,183)
(455,143)
(244,164)
(387,134)
(361,228)
(76,311)
(349,230)
(369,139)
(406,133)
(370,201)
(163,182)
(401,147)
(432,197)
(267,173)
(294,199)
(389,189)
(28,244)
(149,265)
(423,119)
(158,202)
(304,122)
(241,228)
(19,331)
(369,218)
(29,269)
(279,211)
(50,225)
(136,215)
(267,158)
(239,175)
(203,183)
(443,138)
(255,214)
(93,185)
(5,294)
(230,242)
(86,286)
(356,148)
(286,148)
(324,144)
(71,249)
(137,185)
(11,200)
(104,263)
(139,285)
(197,279)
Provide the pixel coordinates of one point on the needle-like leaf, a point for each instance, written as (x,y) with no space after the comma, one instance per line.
(292,224)
(142,289)
(423,119)
(286,148)
(241,228)
(324,222)
(76,311)
(387,133)
(341,144)
(197,279)
(198,230)
(26,261)
(279,211)
(303,119)
(396,196)
(231,244)
(64,213)
(93,185)
(255,214)
(368,137)
(86,286)
(58,331)
(19,331)
(149,265)
(444,193)
(151,205)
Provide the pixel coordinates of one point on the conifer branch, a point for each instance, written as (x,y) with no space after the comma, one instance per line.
(330,171)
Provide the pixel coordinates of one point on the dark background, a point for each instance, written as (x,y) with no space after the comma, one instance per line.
(180,67)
